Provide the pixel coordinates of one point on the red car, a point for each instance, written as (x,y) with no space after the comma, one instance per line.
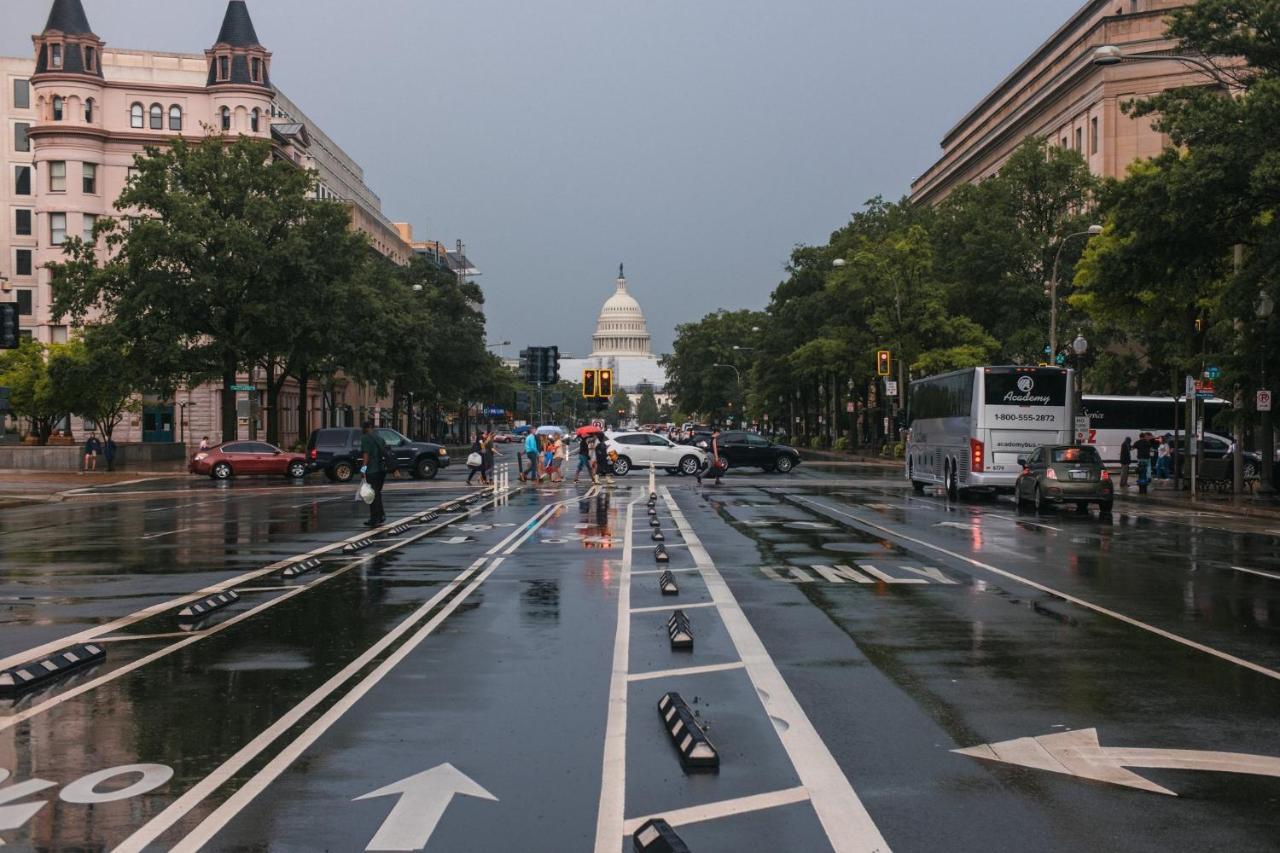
(247,458)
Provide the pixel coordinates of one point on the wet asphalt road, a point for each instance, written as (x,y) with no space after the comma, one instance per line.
(492,676)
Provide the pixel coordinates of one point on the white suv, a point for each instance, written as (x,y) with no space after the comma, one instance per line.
(639,449)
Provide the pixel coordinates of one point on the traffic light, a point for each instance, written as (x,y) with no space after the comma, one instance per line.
(553,365)
(604,384)
(526,364)
(9,338)
(522,401)
(588,384)
(883,363)
(1201,325)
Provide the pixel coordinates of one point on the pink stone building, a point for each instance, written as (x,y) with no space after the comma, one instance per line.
(1059,93)
(77,114)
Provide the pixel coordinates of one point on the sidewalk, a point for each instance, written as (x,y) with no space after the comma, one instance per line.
(1230,503)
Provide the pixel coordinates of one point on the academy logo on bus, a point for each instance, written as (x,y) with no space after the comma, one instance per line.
(1026,385)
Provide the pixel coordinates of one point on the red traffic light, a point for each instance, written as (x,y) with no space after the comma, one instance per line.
(883,363)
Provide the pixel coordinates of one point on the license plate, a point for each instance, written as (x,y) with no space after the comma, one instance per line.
(1079,475)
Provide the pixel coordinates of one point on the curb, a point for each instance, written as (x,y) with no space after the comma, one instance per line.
(1226,508)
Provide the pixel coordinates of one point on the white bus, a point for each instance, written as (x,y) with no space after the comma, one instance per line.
(968,428)
(1111,419)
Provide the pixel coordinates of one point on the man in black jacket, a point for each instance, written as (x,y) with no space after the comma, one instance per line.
(1126,458)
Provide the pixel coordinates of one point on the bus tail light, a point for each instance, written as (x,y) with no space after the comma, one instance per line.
(977,454)
(1106,475)
(1051,474)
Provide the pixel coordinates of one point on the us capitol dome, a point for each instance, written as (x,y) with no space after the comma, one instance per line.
(621,343)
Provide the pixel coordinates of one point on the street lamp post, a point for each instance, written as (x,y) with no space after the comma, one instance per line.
(1263,308)
(1109,54)
(1092,231)
(1079,346)
(737,373)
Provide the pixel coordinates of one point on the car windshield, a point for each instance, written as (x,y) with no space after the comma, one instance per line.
(1083,455)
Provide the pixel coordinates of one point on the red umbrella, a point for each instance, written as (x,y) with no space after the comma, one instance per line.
(590,429)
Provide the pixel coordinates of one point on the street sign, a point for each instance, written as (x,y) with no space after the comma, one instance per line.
(1212,373)
(848,407)
(495,412)
(1082,428)
(1204,388)
(1191,386)
(1264,401)
(239,388)
(1061,358)
(891,388)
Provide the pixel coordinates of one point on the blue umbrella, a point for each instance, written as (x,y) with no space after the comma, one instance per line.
(521,430)
(551,430)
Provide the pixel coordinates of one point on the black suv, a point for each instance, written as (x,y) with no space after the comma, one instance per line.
(739,448)
(336,452)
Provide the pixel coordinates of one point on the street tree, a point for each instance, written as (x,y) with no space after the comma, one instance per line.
(25,372)
(647,407)
(95,377)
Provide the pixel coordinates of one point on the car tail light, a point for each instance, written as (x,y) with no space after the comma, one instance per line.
(1051,474)
(1106,475)
(315,452)
(977,454)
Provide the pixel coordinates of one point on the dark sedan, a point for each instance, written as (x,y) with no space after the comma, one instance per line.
(1064,474)
(746,449)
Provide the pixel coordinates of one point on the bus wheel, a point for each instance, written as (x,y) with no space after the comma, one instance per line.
(953,484)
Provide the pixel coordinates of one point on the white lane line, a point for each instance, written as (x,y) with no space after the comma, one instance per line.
(683,671)
(157,826)
(325,501)
(124,638)
(166,533)
(157,609)
(724,808)
(1079,602)
(663,607)
(1017,520)
(844,818)
(1257,572)
(613,774)
(660,571)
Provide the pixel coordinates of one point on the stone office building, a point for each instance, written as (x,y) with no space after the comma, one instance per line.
(75,116)
(1060,93)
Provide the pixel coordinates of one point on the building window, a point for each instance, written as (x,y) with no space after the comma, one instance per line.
(22,263)
(57,108)
(21,94)
(157,117)
(1063,142)
(257,70)
(89,178)
(1093,136)
(225,112)
(90,59)
(130,173)
(175,117)
(224,68)
(58,334)
(253,119)
(22,222)
(24,302)
(89,221)
(135,116)
(1080,139)
(88,111)
(20,140)
(55,55)
(57,176)
(22,180)
(57,228)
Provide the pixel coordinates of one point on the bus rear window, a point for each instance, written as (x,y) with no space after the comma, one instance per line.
(1043,387)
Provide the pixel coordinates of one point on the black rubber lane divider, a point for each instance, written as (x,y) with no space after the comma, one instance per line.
(653,510)
(21,678)
(301,568)
(202,608)
(667,583)
(680,632)
(654,522)
(696,751)
(358,545)
(658,535)
(395,531)
(657,836)
(429,517)
(660,554)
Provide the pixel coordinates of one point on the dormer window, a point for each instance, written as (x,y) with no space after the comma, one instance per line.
(253,119)
(256,65)
(226,118)
(57,107)
(90,59)
(88,111)
(55,56)
(224,68)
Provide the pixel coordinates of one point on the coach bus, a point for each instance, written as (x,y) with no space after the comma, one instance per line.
(1112,419)
(968,428)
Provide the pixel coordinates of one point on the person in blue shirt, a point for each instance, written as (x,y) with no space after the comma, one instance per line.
(531,454)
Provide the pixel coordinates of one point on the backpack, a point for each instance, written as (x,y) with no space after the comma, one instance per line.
(390,463)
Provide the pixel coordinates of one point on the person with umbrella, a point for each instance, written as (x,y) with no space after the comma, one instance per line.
(584,450)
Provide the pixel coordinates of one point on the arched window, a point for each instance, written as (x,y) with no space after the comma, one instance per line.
(57,108)
(88,111)
(135,115)
(175,117)
(226,118)
(253,119)
(157,117)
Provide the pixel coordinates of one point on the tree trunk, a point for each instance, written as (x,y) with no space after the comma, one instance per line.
(230,423)
(304,432)
(273,403)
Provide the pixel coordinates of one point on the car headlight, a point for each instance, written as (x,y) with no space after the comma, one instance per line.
(200,456)
(443,452)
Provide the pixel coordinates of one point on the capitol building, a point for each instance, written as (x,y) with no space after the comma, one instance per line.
(621,343)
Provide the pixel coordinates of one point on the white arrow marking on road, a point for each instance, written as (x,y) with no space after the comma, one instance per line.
(1079,754)
(14,816)
(455,540)
(423,799)
(957,525)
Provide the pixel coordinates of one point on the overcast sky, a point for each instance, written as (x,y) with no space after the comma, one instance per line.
(696,140)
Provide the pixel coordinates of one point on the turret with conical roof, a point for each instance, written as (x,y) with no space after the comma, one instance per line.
(237,58)
(68,44)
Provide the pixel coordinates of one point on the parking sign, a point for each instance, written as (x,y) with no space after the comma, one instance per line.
(1264,401)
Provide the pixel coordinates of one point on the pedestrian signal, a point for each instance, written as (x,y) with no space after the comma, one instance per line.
(9,335)
(588,384)
(883,363)
(604,384)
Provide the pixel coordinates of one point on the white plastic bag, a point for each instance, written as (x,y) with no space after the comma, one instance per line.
(475,460)
(366,492)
